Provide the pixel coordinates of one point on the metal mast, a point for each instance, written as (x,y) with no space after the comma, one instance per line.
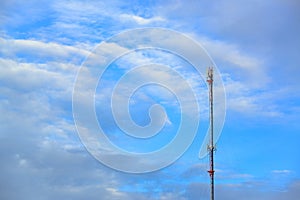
(211,147)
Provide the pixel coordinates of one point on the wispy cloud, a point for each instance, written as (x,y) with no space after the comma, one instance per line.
(27,49)
(140,20)
(43,44)
(283,171)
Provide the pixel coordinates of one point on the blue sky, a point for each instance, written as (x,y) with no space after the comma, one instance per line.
(255,46)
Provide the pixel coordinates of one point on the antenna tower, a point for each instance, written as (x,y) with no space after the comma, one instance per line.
(211,147)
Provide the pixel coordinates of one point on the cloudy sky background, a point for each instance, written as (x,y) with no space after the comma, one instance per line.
(255,46)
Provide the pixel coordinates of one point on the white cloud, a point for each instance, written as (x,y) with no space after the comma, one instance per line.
(229,57)
(27,77)
(41,158)
(140,20)
(283,171)
(245,99)
(37,49)
(251,190)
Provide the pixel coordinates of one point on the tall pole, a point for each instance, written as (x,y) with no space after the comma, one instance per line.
(211,147)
